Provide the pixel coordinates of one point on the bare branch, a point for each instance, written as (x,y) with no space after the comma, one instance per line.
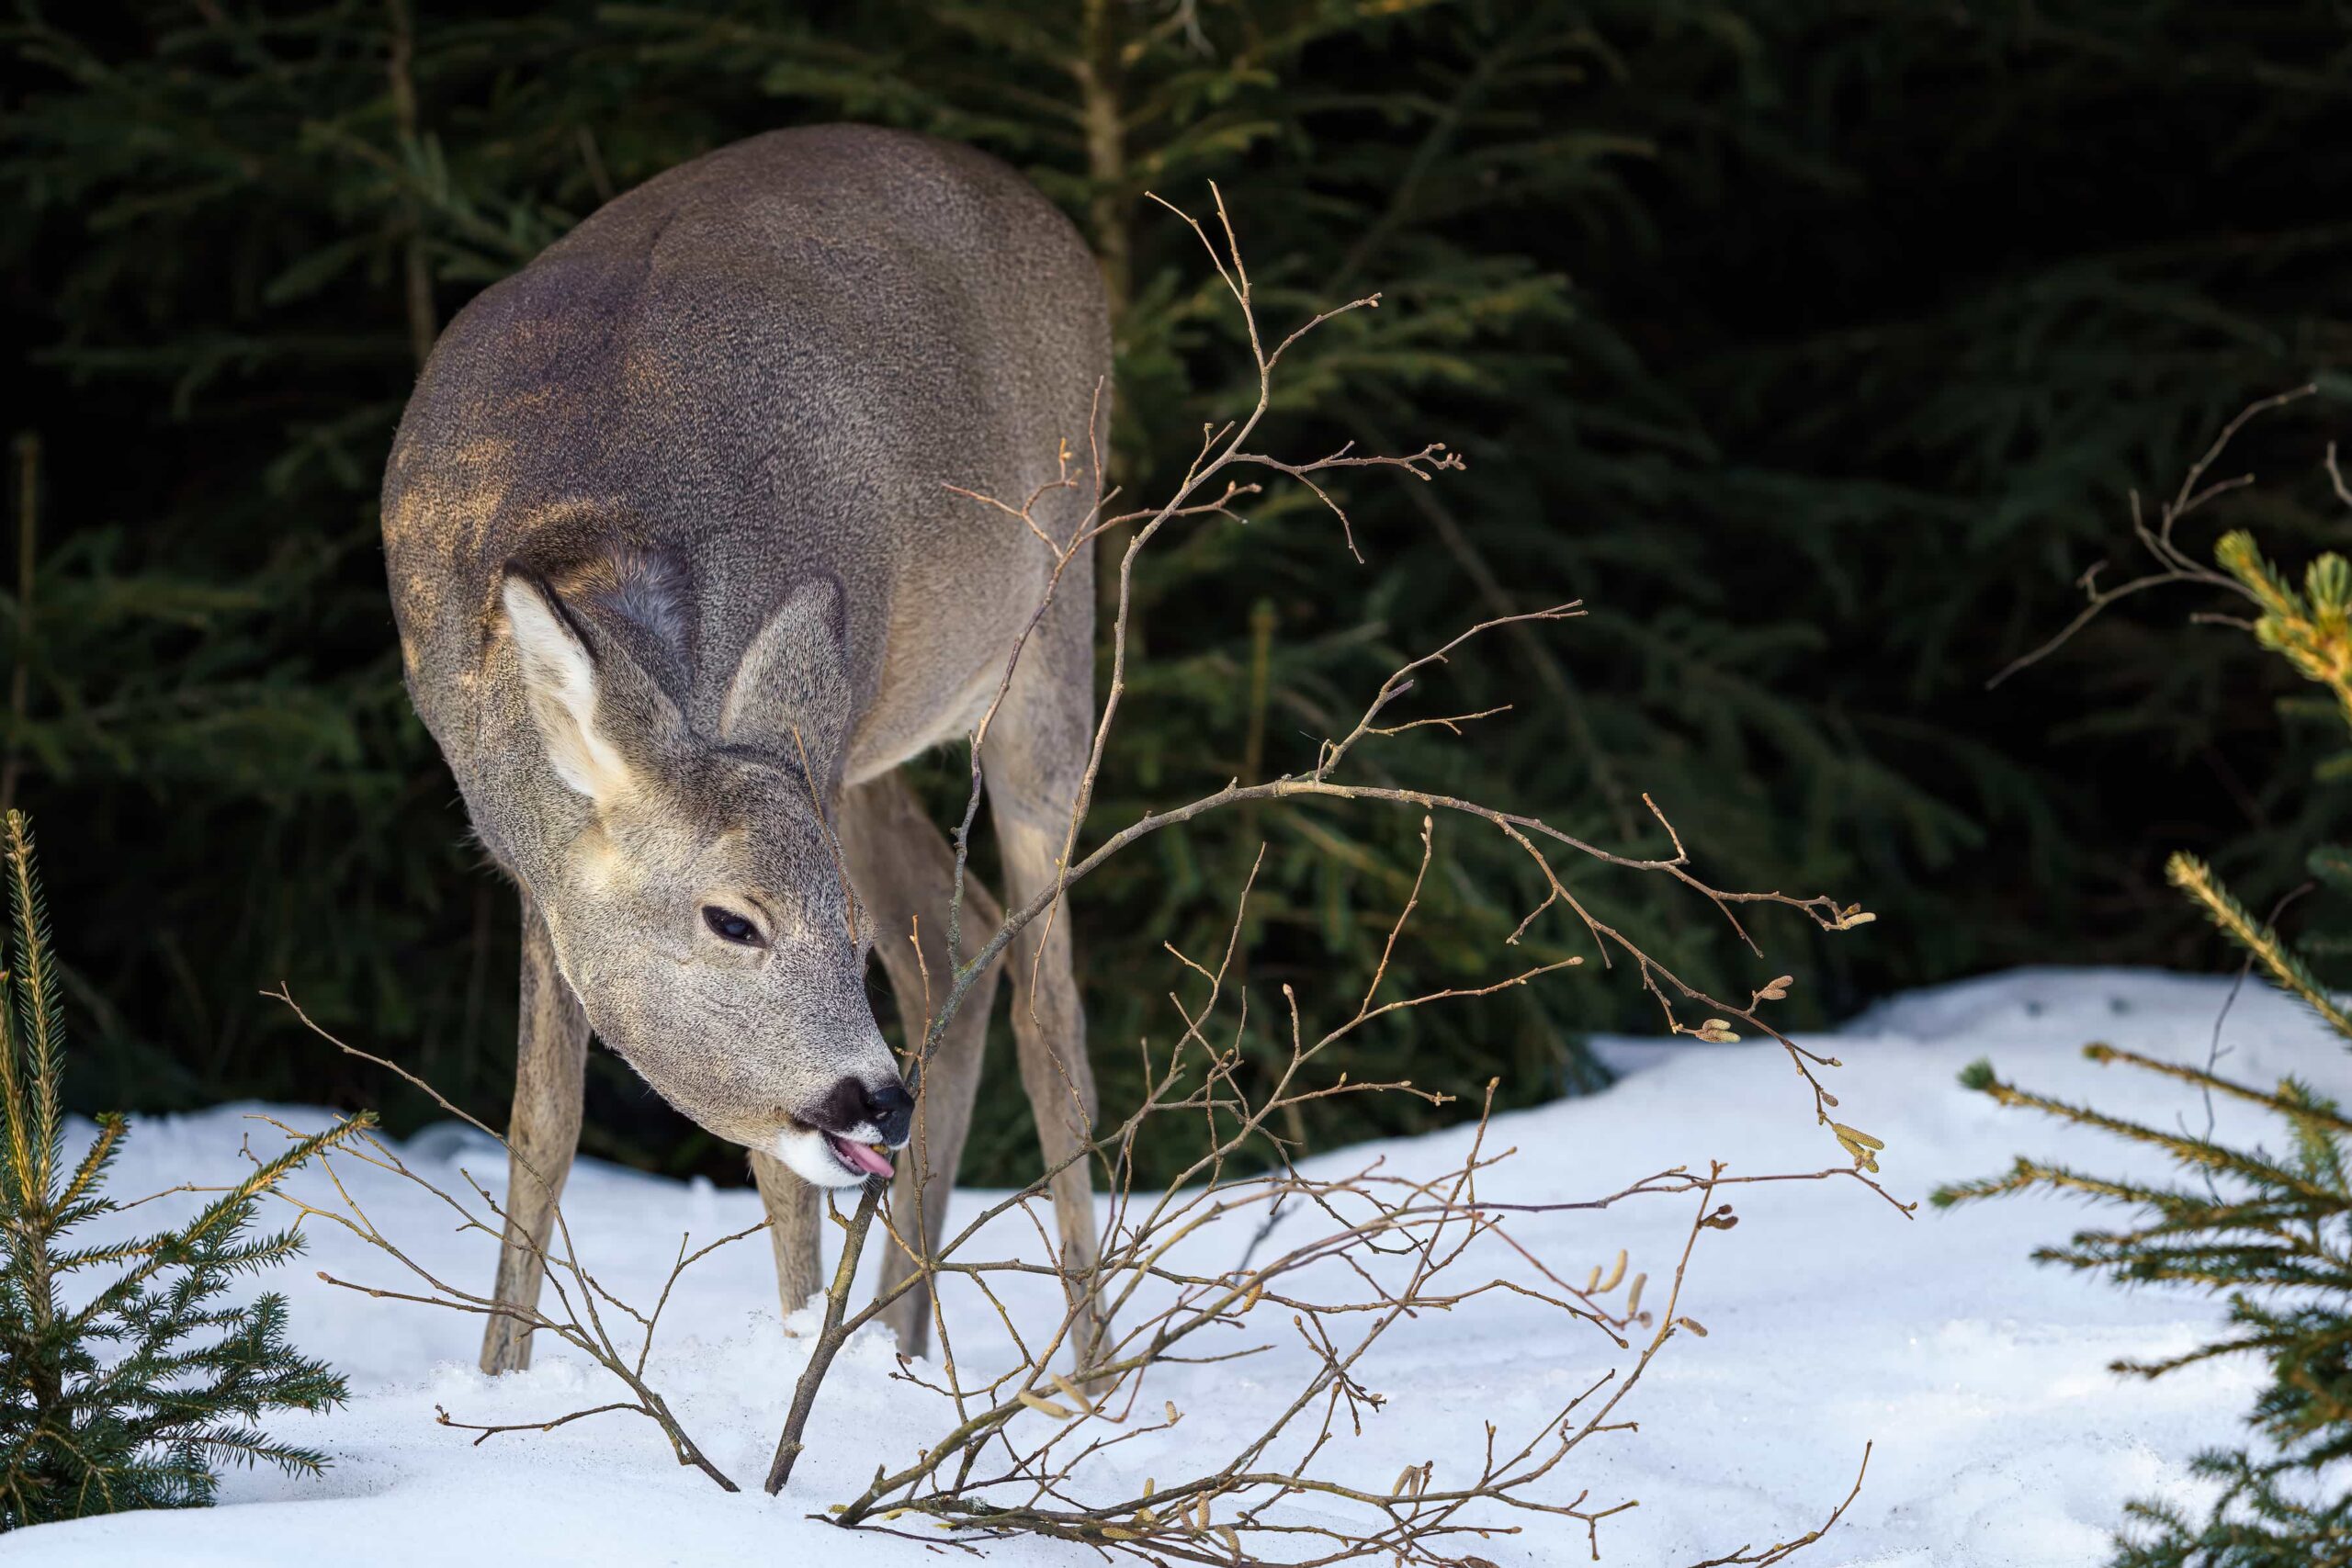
(2173,564)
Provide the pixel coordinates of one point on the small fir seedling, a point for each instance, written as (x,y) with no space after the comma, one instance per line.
(126,1379)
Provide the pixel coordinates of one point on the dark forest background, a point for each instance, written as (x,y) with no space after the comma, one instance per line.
(1814,345)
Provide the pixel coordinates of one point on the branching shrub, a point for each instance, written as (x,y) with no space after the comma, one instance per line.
(126,1394)
(1328,1262)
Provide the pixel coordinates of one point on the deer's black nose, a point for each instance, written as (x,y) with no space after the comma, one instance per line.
(891,1109)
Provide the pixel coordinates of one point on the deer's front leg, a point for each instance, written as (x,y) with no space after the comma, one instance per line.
(541,1137)
(905,874)
(796,1228)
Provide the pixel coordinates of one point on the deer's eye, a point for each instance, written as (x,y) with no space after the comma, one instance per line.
(729,926)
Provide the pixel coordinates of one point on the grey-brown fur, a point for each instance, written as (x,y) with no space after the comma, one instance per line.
(666,514)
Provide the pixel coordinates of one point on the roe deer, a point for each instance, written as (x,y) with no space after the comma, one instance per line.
(679,586)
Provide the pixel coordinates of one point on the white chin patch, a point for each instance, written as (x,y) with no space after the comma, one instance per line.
(804,1154)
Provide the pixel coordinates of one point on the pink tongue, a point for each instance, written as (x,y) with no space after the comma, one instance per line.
(861,1156)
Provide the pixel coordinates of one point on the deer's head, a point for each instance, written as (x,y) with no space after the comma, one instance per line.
(690,879)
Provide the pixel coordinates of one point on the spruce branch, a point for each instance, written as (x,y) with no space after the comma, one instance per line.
(2286,969)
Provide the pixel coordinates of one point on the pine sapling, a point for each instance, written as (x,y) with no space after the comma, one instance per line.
(129,1390)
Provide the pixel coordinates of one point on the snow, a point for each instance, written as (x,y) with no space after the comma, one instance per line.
(2001,1439)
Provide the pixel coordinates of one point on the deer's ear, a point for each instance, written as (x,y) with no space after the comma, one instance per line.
(791,693)
(561,685)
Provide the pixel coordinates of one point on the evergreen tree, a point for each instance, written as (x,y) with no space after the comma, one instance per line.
(2271,1230)
(126,1392)
(1800,340)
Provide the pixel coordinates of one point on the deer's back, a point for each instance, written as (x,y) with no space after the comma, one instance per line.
(762,365)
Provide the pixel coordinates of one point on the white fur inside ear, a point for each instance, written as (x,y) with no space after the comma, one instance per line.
(559,682)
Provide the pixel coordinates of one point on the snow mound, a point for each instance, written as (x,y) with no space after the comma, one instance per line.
(2002,1441)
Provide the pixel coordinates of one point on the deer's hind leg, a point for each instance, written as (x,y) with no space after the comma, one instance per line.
(1035,761)
(542,1136)
(905,875)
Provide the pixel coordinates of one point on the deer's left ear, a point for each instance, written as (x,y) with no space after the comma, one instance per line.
(791,692)
(561,685)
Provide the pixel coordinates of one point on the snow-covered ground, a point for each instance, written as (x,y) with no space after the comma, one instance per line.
(2001,1437)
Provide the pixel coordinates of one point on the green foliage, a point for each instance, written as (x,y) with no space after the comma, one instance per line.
(2260,1525)
(1804,342)
(129,1390)
(2269,1228)
(2308,628)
